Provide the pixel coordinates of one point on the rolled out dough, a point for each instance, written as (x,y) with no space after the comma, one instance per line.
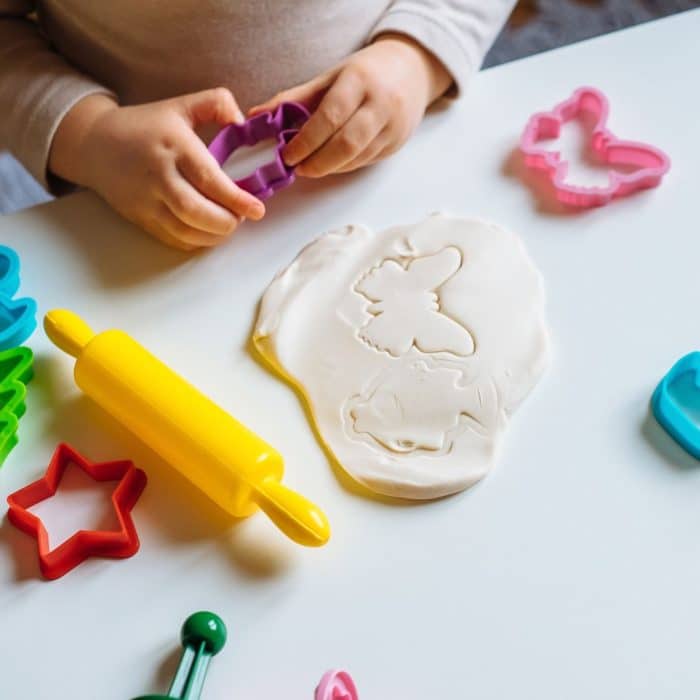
(411,346)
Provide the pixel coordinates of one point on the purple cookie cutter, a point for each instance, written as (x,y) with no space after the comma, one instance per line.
(282,124)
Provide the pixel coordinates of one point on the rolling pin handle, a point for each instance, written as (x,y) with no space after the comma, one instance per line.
(67,331)
(296,516)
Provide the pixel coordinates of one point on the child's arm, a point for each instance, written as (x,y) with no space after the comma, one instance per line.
(37,88)
(367,107)
(146,161)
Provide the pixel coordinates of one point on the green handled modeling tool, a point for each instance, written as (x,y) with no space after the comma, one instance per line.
(203,636)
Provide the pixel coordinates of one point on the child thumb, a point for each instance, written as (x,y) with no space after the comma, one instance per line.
(217,106)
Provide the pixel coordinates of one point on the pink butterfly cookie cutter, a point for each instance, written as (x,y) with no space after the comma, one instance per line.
(281,125)
(336,685)
(648,164)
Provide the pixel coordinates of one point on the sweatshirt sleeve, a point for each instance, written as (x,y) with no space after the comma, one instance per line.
(37,88)
(457,32)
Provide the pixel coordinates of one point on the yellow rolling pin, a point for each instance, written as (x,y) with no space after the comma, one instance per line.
(220,456)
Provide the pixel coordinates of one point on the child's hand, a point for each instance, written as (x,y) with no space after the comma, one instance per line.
(150,165)
(366,108)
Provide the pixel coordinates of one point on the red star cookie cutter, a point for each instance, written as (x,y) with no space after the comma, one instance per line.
(118,544)
(648,164)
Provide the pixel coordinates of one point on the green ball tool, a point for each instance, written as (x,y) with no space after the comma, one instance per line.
(203,636)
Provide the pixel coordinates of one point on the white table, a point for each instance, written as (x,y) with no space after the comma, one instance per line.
(572,571)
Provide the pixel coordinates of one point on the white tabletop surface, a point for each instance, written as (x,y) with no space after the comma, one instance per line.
(572,571)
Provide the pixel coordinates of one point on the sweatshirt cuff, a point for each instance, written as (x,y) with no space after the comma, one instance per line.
(437,37)
(47,113)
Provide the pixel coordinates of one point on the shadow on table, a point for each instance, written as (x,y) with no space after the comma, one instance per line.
(170,504)
(118,253)
(665,446)
(122,255)
(539,185)
(23,550)
(167,669)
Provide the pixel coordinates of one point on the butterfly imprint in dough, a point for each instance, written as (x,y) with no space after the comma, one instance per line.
(405,306)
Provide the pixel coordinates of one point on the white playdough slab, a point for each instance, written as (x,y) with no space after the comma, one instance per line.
(411,347)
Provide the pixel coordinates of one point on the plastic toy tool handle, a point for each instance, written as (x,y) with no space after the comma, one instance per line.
(67,331)
(203,636)
(295,515)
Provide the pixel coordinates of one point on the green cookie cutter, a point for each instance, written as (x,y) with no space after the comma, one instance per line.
(16,371)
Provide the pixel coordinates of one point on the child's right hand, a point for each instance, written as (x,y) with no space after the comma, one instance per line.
(150,165)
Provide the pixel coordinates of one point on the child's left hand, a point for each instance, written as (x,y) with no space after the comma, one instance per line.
(365,108)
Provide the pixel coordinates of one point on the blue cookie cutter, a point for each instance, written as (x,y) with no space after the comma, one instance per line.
(9,271)
(17,316)
(676,403)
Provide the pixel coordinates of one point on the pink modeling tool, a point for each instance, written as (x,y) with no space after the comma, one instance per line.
(336,685)
(647,164)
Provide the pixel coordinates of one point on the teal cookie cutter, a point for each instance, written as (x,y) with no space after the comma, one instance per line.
(9,271)
(17,316)
(676,403)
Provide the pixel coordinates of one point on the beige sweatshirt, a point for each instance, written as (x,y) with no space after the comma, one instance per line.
(55,52)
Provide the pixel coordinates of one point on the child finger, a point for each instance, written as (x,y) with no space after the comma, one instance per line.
(345,145)
(176,232)
(389,149)
(195,209)
(164,237)
(341,101)
(309,93)
(370,155)
(202,171)
(216,105)
(156,226)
